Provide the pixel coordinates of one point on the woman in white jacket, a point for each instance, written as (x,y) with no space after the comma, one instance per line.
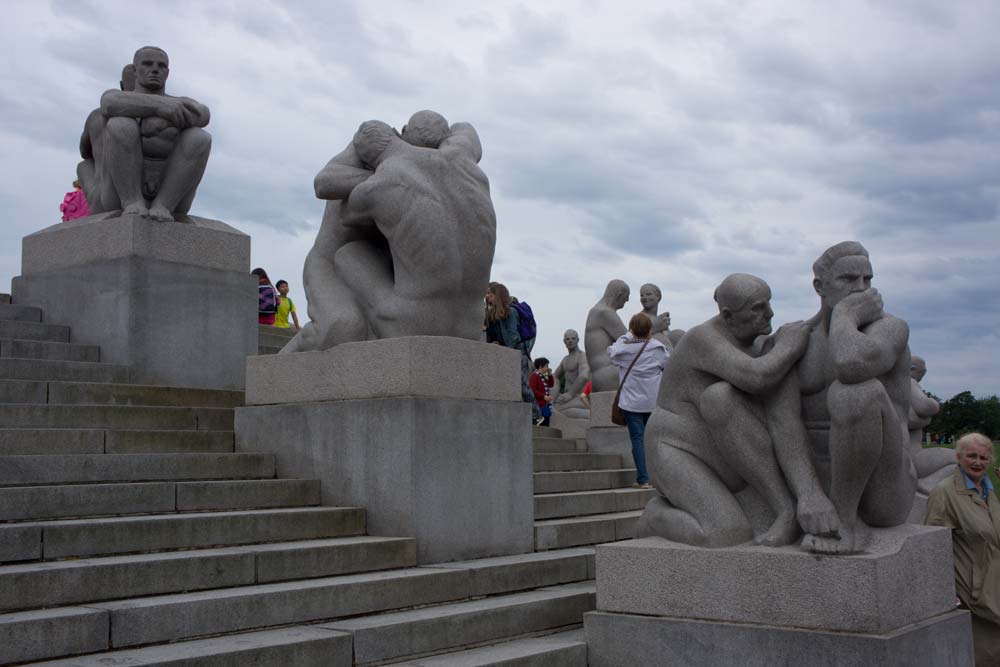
(638,393)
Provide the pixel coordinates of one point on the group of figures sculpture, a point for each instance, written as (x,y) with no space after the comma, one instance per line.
(813,419)
(821,420)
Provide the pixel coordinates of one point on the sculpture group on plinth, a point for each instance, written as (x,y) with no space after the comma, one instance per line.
(406,243)
(604,327)
(813,418)
(144,152)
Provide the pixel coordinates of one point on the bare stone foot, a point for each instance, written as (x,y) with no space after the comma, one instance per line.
(851,541)
(136,208)
(160,213)
(817,515)
(784,530)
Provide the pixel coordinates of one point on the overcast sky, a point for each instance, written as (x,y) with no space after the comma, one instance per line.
(671,143)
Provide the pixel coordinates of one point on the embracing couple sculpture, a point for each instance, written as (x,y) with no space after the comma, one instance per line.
(813,418)
(406,243)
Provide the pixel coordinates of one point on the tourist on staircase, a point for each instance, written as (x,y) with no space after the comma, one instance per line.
(640,359)
(503,328)
(541,384)
(267,298)
(286,307)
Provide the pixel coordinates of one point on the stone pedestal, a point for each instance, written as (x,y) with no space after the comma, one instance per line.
(175,301)
(428,434)
(661,602)
(603,435)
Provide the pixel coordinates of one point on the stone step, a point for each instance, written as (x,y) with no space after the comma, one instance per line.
(430,630)
(16,348)
(24,503)
(545,432)
(20,313)
(563,649)
(116,417)
(89,580)
(594,529)
(70,371)
(582,503)
(285,333)
(50,540)
(554,446)
(271,340)
(99,441)
(298,646)
(28,470)
(19,329)
(585,461)
(583,480)
(186,615)
(93,393)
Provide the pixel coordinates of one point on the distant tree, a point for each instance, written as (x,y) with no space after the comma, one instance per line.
(964,412)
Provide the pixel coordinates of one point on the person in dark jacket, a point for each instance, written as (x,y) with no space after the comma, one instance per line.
(501,329)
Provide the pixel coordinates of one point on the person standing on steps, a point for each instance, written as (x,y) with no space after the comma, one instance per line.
(502,329)
(640,359)
(285,308)
(541,384)
(267,298)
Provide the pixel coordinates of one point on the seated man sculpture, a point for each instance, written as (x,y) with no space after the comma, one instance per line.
(407,240)
(854,394)
(713,432)
(650,297)
(145,152)
(573,373)
(603,328)
(933,464)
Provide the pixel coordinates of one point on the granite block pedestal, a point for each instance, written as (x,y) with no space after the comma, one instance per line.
(603,435)
(428,434)
(660,602)
(175,301)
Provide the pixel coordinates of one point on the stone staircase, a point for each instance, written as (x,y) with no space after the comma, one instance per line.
(582,498)
(132,533)
(270,339)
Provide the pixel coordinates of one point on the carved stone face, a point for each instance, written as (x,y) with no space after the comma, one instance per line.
(621,299)
(753,319)
(648,297)
(572,340)
(918,368)
(152,69)
(847,275)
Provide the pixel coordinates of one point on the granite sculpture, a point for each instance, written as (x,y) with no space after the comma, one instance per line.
(714,432)
(603,328)
(144,152)
(854,395)
(933,464)
(650,297)
(573,373)
(816,413)
(406,243)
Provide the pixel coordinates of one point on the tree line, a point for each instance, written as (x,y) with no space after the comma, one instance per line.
(963,413)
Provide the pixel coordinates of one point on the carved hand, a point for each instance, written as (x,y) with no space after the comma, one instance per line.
(863,307)
(794,335)
(172,110)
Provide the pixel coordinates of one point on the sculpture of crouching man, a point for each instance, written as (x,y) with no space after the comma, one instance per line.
(145,151)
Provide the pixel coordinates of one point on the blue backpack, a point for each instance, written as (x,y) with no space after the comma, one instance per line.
(526,327)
